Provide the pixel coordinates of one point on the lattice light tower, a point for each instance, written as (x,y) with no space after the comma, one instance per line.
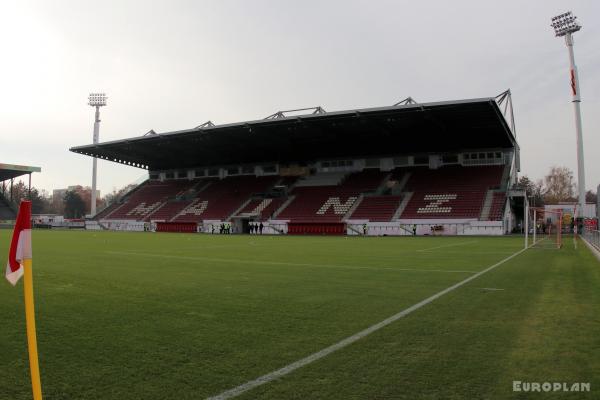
(96,100)
(565,25)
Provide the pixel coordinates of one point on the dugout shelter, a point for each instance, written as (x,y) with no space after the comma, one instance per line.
(8,174)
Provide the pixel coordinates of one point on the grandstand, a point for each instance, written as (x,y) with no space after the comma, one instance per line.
(446,167)
(8,200)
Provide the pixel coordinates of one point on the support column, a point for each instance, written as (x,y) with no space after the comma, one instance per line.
(95,162)
(578,128)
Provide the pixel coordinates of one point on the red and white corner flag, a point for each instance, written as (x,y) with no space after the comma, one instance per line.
(20,246)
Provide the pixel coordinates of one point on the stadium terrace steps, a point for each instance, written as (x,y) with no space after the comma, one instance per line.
(106,211)
(254,206)
(120,202)
(262,208)
(450,192)
(167,210)
(239,209)
(193,211)
(377,208)
(487,204)
(447,192)
(402,182)
(222,198)
(108,215)
(283,206)
(406,196)
(201,186)
(326,204)
(148,197)
(154,209)
(383,185)
(497,207)
(319,204)
(354,207)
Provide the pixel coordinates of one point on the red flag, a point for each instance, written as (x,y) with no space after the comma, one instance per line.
(20,246)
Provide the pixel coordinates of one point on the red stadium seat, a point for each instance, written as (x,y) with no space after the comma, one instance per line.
(223,197)
(330,203)
(449,192)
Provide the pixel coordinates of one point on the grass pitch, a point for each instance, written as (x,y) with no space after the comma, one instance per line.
(176,316)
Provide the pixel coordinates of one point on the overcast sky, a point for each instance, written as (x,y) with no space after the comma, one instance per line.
(169,65)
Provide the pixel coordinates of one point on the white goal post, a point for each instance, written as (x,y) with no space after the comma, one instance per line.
(544,227)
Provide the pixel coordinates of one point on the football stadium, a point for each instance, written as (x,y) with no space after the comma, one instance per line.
(388,252)
(353,254)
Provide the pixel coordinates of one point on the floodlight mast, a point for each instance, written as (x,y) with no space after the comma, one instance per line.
(95,100)
(565,25)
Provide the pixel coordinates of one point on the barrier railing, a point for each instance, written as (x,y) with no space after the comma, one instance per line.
(351,229)
(593,237)
(422,229)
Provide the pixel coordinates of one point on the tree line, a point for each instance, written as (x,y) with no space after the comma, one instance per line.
(557,186)
(74,204)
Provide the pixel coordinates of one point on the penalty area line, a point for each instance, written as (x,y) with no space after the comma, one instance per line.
(238,390)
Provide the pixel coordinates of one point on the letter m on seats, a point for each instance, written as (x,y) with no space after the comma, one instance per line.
(339,208)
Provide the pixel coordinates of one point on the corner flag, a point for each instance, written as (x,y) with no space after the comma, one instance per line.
(20,247)
(19,264)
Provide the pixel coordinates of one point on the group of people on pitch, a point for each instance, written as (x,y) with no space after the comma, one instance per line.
(224,228)
(256,228)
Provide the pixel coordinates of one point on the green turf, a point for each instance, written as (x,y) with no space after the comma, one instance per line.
(174,316)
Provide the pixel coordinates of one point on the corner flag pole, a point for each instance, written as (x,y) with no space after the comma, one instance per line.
(34,366)
(20,264)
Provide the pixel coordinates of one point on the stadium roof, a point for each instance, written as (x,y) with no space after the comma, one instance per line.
(9,171)
(448,126)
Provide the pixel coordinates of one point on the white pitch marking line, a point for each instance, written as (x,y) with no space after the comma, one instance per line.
(448,245)
(236,391)
(240,261)
(490,289)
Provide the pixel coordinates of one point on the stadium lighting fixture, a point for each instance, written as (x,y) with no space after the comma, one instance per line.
(95,100)
(565,25)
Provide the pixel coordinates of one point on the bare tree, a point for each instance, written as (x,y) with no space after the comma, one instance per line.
(534,190)
(591,197)
(39,200)
(559,185)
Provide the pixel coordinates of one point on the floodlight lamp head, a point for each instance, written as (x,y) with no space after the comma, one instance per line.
(565,23)
(97,99)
